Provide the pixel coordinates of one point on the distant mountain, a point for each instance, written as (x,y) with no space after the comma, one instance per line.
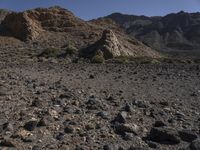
(174,32)
(58,27)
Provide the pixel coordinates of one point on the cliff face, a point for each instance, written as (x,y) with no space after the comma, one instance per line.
(180,31)
(29,24)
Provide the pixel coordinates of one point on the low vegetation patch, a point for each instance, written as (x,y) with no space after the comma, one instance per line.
(50,52)
(98,59)
(70,50)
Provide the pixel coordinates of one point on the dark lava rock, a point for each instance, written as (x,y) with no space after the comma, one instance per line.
(128,108)
(187,135)
(140,103)
(103,114)
(43,122)
(7,143)
(110,147)
(151,144)
(111,99)
(195,145)
(3,91)
(164,135)
(159,124)
(59,136)
(69,129)
(129,128)
(91,76)
(129,136)
(29,138)
(6,127)
(30,125)
(94,104)
(78,147)
(37,103)
(137,148)
(66,96)
(121,117)
(36,148)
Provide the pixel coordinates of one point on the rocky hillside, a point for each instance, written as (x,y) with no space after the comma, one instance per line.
(58,27)
(176,31)
(3,13)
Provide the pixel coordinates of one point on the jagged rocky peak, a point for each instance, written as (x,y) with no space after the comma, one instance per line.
(111,45)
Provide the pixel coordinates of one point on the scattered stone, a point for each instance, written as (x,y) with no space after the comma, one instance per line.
(29,138)
(69,129)
(30,125)
(94,104)
(54,114)
(6,127)
(159,124)
(110,147)
(78,147)
(164,103)
(43,122)
(187,135)
(89,127)
(164,135)
(60,136)
(121,117)
(110,98)
(195,145)
(128,108)
(103,114)
(128,136)
(130,128)
(37,103)
(3,90)
(8,143)
(137,148)
(151,144)
(36,148)
(64,96)
(25,136)
(64,147)
(140,104)
(91,76)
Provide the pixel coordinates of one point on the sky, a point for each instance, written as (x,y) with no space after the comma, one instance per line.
(90,9)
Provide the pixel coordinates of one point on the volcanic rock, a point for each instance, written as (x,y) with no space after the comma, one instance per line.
(164,135)
(195,145)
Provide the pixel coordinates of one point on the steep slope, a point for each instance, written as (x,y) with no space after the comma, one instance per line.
(175,32)
(58,27)
(110,45)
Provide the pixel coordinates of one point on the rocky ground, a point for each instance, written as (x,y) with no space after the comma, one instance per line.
(99,106)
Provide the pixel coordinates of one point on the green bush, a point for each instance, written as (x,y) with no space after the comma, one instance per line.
(50,52)
(98,59)
(70,50)
(121,59)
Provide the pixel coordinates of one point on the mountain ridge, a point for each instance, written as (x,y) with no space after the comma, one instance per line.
(173,32)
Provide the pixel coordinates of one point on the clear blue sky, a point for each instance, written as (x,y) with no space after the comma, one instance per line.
(88,9)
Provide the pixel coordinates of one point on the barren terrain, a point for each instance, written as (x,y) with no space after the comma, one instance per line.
(99,106)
